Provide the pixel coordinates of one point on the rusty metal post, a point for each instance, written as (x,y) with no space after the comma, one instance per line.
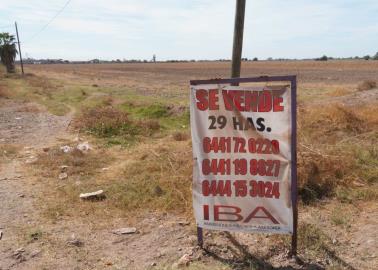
(238,38)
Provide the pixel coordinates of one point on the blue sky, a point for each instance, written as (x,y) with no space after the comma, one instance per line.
(192,29)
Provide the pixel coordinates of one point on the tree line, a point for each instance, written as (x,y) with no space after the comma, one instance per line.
(8,53)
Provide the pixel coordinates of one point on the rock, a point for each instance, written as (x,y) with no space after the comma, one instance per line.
(75,242)
(358,184)
(63,168)
(334,241)
(105,169)
(1,235)
(18,255)
(35,253)
(97,195)
(63,176)
(153,264)
(121,231)
(184,260)
(31,160)
(83,147)
(183,223)
(158,191)
(66,148)
(46,149)
(19,250)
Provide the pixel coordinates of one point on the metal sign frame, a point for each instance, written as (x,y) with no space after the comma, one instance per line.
(294,185)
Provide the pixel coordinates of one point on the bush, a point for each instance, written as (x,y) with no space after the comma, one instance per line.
(323,58)
(180,136)
(367,85)
(103,121)
(107,121)
(153,111)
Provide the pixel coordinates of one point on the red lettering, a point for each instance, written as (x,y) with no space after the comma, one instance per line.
(266,212)
(206,212)
(265,101)
(216,166)
(241,189)
(213,99)
(202,103)
(277,104)
(214,188)
(235,214)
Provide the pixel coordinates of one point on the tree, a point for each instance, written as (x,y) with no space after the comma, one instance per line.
(323,58)
(8,51)
(375,57)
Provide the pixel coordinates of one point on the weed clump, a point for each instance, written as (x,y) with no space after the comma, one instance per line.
(154,111)
(366,85)
(319,175)
(78,164)
(160,179)
(180,136)
(104,121)
(114,125)
(336,148)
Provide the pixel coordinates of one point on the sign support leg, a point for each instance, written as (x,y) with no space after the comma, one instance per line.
(294,237)
(294,186)
(200,236)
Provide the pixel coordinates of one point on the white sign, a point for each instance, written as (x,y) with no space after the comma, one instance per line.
(242,158)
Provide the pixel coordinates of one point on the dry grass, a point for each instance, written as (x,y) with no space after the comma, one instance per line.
(339,92)
(149,177)
(114,125)
(29,108)
(9,151)
(328,135)
(155,177)
(134,108)
(3,92)
(82,165)
(367,85)
(180,136)
(61,197)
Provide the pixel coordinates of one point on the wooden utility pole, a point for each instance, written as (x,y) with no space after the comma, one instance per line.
(238,38)
(19,48)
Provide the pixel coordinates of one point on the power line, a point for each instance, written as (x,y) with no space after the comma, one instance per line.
(50,21)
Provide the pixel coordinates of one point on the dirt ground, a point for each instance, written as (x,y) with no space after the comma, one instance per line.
(29,241)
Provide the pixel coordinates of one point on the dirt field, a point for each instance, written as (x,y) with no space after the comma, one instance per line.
(142,160)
